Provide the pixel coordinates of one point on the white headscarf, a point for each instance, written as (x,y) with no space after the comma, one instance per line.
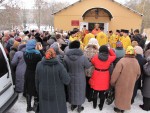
(93,41)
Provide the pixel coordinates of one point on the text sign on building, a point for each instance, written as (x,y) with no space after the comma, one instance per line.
(75,23)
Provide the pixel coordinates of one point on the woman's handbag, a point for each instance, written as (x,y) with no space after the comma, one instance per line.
(110,96)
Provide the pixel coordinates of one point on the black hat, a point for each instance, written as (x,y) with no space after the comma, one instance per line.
(101,28)
(118,31)
(84,25)
(72,32)
(26,32)
(126,31)
(74,45)
(110,31)
(33,31)
(76,30)
(103,49)
(122,30)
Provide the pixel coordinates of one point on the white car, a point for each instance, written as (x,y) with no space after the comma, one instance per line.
(8,96)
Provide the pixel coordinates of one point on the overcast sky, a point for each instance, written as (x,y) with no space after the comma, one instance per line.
(29,3)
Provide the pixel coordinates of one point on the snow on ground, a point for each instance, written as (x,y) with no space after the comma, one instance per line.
(20,107)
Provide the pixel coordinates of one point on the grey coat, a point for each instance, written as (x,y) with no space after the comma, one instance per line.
(146,85)
(19,63)
(76,63)
(50,79)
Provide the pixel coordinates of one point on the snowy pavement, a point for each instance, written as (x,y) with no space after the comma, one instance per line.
(20,107)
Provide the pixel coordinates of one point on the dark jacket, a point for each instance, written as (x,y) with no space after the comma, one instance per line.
(12,53)
(31,60)
(19,63)
(146,85)
(76,64)
(137,38)
(50,79)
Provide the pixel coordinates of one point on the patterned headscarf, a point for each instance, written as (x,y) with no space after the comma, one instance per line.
(50,53)
(130,51)
(119,44)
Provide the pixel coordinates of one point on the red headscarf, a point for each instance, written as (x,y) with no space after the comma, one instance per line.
(50,53)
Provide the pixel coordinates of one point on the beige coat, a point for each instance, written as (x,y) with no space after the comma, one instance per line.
(125,74)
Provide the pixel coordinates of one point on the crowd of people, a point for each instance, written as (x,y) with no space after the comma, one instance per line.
(55,68)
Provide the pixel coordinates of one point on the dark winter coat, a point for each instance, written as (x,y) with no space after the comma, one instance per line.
(76,64)
(12,53)
(19,63)
(147,53)
(142,61)
(100,80)
(137,38)
(146,85)
(31,60)
(50,79)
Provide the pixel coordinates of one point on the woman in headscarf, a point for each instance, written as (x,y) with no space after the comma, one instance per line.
(13,50)
(124,77)
(50,79)
(20,65)
(99,81)
(59,52)
(90,50)
(10,44)
(120,52)
(32,56)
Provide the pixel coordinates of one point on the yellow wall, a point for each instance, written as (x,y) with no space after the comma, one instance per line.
(122,17)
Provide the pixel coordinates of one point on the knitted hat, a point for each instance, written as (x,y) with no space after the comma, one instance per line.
(138,50)
(119,44)
(50,53)
(130,50)
(18,39)
(55,47)
(16,44)
(103,49)
(11,41)
(93,41)
(74,45)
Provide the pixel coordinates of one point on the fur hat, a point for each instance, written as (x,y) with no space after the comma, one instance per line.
(74,45)
(104,49)
(138,50)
